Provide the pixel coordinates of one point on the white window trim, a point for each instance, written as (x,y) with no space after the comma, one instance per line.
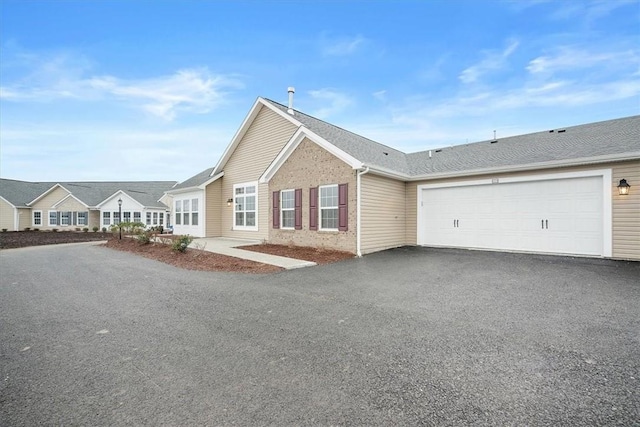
(33,219)
(196,211)
(293,209)
(102,218)
(245,227)
(320,208)
(86,218)
(49,219)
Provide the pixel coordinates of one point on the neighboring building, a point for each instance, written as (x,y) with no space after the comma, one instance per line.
(70,205)
(289,178)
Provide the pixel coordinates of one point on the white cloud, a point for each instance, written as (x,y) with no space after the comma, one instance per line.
(569,58)
(332,102)
(194,90)
(342,47)
(380,95)
(492,61)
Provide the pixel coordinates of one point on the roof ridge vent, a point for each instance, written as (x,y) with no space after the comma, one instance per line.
(562,130)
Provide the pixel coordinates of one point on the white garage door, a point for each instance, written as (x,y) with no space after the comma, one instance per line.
(552,216)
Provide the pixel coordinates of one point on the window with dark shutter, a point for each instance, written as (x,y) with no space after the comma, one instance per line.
(298,209)
(343,212)
(276,209)
(313,208)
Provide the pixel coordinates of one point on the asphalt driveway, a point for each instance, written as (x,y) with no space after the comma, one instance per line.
(91,336)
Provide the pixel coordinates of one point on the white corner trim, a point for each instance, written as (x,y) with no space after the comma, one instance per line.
(293,143)
(55,206)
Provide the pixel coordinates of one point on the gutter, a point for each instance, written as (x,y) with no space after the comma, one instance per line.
(359,209)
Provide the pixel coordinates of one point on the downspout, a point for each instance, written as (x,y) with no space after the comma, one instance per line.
(359,209)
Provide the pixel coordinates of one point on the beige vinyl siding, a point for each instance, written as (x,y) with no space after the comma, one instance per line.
(25,219)
(213,208)
(382,213)
(46,203)
(94,220)
(7,216)
(71,205)
(626,212)
(264,139)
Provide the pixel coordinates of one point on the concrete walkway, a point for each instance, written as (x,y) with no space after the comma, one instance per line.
(231,247)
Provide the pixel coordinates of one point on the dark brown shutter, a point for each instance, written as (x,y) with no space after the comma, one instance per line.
(298,210)
(276,209)
(313,208)
(343,212)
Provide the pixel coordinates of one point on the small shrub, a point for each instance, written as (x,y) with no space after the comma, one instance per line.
(27,228)
(86,230)
(95,229)
(180,244)
(104,229)
(36,229)
(54,230)
(4,230)
(144,237)
(77,228)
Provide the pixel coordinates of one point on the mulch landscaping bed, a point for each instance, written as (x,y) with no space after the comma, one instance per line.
(317,255)
(192,259)
(21,239)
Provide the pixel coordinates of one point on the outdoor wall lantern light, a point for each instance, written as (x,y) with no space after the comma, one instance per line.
(229,201)
(623,187)
(120,217)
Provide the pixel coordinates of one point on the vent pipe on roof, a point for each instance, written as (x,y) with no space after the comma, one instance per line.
(291,91)
(429,153)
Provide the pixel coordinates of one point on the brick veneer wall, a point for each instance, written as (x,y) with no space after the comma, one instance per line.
(311,166)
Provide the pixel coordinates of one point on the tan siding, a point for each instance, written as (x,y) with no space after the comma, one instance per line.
(264,139)
(213,202)
(382,213)
(46,204)
(7,213)
(626,210)
(94,220)
(72,205)
(25,219)
(310,166)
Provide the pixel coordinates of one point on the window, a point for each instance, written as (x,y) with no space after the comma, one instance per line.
(194,211)
(126,216)
(116,217)
(53,218)
(287,208)
(155,218)
(161,218)
(185,212)
(37,217)
(178,212)
(65,218)
(245,210)
(82,218)
(148,218)
(329,207)
(136,217)
(106,218)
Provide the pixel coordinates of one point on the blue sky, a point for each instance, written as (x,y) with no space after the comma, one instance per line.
(155,90)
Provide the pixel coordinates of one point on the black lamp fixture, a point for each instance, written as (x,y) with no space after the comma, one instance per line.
(623,187)
(120,217)
(229,201)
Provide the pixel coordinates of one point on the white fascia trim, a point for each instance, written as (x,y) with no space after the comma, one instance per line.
(47,192)
(532,166)
(607,204)
(195,187)
(119,192)
(293,143)
(73,197)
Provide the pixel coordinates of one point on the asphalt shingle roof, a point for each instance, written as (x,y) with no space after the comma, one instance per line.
(609,137)
(147,193)
(196,180)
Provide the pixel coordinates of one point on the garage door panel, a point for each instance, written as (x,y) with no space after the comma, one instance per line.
(557,216)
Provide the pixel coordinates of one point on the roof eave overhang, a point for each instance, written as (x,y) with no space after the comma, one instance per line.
(196,187)
(531,166)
